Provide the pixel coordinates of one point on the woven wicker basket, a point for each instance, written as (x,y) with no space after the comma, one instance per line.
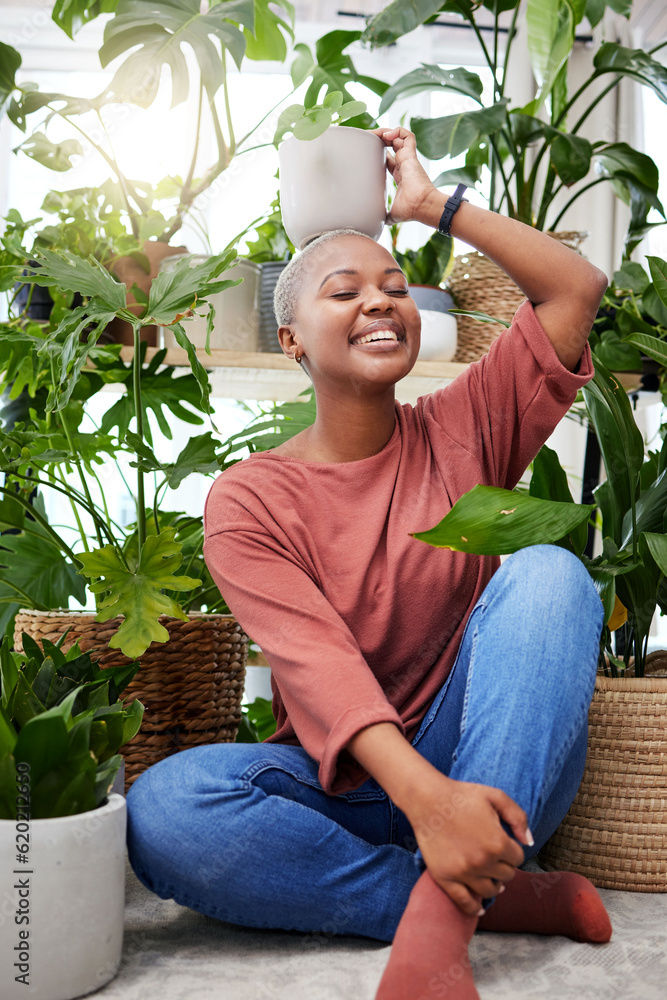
(616,830)
(191,686)
(478,284)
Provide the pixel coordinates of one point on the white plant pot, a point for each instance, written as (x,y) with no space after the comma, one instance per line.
(68,899)
(439,332)
(236,323)
(336,181)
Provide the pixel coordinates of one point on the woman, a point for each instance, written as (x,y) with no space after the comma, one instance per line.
(431,707)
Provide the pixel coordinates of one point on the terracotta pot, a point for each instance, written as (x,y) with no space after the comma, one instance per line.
(130,272)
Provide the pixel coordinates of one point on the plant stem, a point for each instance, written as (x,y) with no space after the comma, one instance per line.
(193,162)
(84,540)
(139,415)
(75,455)
(574,197)
(228,110)
(510,206)
(60,542)
(510,38)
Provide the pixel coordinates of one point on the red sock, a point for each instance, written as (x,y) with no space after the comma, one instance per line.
(430,949)
(549,903)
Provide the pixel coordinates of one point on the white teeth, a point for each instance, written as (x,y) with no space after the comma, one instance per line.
(377,335)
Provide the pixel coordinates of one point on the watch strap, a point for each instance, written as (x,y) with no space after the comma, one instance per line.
(452,206)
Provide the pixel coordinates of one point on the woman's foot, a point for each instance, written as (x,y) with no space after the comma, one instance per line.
(550,903)
(429,954)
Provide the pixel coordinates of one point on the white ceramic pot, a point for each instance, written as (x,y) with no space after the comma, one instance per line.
(439,334)
(61,913)
(236,323)
(336,181)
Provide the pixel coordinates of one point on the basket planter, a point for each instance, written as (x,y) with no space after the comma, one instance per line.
(191,686)
(616,830)
(63,924)
(479,285)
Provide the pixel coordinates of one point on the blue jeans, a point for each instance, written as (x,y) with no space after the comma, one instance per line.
(245,833)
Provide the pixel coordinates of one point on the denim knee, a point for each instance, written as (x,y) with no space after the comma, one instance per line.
(541,570)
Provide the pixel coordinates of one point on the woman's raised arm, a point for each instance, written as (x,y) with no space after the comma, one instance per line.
(565,289)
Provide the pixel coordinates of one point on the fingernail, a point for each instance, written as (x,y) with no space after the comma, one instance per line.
(502,889)
(480,912)
(530,840)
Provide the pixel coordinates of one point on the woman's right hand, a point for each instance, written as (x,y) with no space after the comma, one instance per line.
(458,828)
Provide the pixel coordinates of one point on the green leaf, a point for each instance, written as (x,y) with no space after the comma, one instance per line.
(10,60)
(162,29)
(399,18)
(65,270)
(633,63)
(43,743)
(433,77)
(492,521)
(620,441)
(266,41)
(54,155)
(136,592)
(199,455)
(549,482)
(631,276)
(453,134)
(650,510)
(334,70)
(571,157)
(550,37)
(71,15)
(303,64)
(595,11)
(658,547)
(654,306)
(620,159)
(658,269)
(468,175)
(132,721)
(656,349)
(8,672)
(182,287)
(35,573)
(312,124)
(8,735)
(481,317)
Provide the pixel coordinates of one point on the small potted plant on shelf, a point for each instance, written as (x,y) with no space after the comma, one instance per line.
(426,269)
(536,154)
(628,715)
(62,828)
(271,249)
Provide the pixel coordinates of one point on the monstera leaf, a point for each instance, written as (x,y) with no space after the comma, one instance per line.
(135,590)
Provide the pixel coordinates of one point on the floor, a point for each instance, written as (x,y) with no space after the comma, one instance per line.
(176,954)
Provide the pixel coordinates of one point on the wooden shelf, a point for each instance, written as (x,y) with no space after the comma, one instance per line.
(246,375)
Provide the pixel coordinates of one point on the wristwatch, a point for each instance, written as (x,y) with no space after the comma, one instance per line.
(451,208)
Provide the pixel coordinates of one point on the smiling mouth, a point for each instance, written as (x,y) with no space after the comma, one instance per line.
(376,335)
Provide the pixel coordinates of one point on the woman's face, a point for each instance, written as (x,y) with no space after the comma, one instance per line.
(355,320)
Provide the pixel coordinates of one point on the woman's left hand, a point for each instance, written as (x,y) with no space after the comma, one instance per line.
(413,183)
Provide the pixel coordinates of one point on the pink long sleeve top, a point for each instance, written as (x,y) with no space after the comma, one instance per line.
(360,622)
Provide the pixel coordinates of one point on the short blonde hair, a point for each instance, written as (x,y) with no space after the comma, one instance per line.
(288,286)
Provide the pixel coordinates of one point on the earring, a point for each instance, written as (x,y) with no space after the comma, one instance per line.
(297,358)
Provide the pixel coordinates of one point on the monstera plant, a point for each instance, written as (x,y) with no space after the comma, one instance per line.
(535,152)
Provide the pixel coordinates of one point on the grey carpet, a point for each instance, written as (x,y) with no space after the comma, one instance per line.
(173,953)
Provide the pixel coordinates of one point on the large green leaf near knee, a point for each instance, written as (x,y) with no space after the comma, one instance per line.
(135,590)
(491,521)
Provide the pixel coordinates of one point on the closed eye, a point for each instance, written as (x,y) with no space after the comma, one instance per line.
(389,291)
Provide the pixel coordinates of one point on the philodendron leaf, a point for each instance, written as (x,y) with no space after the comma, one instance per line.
(54,155)
(638,65)
(180,288)
(199,455)
(399,18)
(75,274)
(135,593)
(491,521)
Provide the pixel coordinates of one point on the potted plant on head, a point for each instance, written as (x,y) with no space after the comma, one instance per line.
(62,828)
(536,154)
(615,831)
(425,269)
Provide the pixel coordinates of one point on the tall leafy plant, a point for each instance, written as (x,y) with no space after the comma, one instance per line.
(536,152)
